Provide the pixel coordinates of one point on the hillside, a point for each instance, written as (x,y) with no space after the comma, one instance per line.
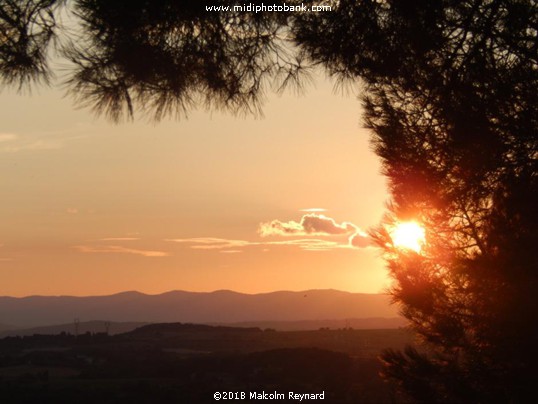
(181,306)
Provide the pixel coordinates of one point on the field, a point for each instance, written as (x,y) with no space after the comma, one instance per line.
(189,363)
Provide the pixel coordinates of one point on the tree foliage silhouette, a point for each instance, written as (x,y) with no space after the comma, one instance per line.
(163,57)
(451,96)
(27,29)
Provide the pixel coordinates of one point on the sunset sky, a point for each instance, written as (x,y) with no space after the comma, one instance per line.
(211,202)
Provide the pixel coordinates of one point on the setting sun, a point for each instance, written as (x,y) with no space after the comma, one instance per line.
(408,235)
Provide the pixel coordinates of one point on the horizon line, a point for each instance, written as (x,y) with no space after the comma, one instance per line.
(194,292)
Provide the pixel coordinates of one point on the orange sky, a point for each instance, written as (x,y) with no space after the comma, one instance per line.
(212,202)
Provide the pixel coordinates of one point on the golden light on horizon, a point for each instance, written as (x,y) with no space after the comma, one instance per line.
(408,235)
(116,244)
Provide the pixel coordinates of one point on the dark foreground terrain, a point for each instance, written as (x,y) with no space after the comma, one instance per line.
(185,363)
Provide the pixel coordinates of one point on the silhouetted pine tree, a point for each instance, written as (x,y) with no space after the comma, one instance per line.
(452,96)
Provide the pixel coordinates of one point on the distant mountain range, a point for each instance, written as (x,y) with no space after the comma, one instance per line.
(220,307)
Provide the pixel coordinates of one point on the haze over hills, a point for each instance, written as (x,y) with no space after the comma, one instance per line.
(113,328)
(110,328)
(196,307)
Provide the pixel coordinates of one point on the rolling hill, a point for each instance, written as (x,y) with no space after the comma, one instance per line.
(196,307)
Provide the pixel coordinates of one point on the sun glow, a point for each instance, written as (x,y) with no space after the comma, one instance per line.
(408,235)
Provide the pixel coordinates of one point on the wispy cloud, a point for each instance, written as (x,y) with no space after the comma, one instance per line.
(329,235)
(120,239)
(310,224)
(317,225)
(7,137)
(311,244)
(211,243)
(313,210)
(232,246)
(13,147)
(120,250)
(4,259)
(13,143)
